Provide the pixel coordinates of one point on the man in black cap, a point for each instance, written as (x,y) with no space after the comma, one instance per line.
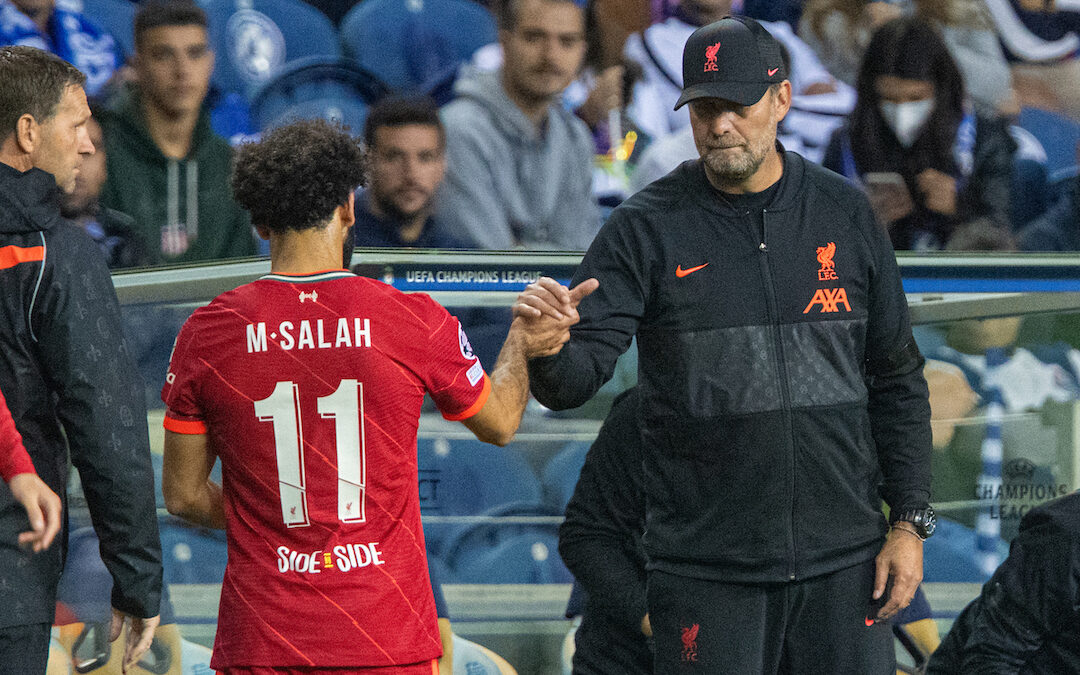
(781,394)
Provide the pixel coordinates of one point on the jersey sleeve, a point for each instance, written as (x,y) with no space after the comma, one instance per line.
(452,373)
(13,456)
(183,414)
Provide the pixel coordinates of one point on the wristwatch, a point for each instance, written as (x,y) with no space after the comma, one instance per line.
(924,520)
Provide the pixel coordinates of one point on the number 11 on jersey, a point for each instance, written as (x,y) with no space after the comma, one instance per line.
(346,407)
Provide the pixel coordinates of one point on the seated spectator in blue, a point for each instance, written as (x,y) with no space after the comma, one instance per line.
(926,160)
(406,151)
(1058,229)
(166,168)
(519,166)
(113,231)
(65,32)
(1027,618)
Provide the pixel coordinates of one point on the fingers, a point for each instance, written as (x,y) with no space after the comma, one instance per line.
(52,509)
(546,297)
(116,624)
(585,288)
(139,639)
(881,576)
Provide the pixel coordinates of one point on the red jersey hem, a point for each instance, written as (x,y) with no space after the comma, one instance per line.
(188,427)
(476,406)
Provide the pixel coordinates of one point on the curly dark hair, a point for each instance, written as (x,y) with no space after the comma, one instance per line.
(296,176)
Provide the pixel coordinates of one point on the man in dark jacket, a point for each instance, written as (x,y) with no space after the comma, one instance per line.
(64,370)
(781,391)
(1027,619)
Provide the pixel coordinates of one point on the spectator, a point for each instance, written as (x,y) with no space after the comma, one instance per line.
(406,150)
(927,161)
(840,30)
(519,166)
(819,100)
(65,32)
(113,231)
(1042,42)
(71,387)
(1027,618)
(166,167)
(17,470)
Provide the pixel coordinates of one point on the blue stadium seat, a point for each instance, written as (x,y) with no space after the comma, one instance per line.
(327,88)
(561,473)
(416,45)
(467,477)
(496,552)
(254,39)
(117,17)
(951,554)
(192,555)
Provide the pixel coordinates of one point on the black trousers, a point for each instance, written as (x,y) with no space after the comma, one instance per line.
(812,626)
(24,650)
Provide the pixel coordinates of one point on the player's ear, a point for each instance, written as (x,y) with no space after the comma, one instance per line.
(347,211)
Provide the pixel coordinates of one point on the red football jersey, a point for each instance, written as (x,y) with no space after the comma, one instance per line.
(309,389)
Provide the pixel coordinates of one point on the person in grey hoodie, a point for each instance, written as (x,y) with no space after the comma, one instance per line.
(519,166)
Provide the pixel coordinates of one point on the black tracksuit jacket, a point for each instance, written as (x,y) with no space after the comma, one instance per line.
(781,392)
(600,542)
(72,388)
(1026,621)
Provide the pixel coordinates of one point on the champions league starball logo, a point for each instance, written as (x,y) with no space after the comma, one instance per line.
(466,348)
(256,45)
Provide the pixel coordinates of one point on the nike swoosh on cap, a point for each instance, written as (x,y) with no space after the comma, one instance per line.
(680,272)
(772,71)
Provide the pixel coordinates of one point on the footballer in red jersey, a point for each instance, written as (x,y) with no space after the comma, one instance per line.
(307,384)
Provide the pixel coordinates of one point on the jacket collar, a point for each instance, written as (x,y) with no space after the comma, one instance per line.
(29,200)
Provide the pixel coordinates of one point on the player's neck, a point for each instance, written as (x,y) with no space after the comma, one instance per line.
(298,252)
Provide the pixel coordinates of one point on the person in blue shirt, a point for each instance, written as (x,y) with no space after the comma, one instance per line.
(406,150)
(65,32)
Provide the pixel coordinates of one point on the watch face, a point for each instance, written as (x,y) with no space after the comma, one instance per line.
(929,522)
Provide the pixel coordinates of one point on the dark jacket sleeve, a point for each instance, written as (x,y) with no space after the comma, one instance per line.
(987,192)
(100,403)
(600,540)
(899,404)
(609,319)
(1031,597)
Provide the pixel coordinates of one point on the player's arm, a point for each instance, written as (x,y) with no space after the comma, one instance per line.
(42,505)
(185,480)
(530,336)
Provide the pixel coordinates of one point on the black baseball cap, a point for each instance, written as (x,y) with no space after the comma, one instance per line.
(734,58)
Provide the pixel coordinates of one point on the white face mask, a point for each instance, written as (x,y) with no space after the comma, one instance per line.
(907,119)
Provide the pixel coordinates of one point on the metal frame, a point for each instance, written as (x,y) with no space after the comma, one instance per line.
(941,287)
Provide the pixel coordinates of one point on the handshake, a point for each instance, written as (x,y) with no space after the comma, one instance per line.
(544,312)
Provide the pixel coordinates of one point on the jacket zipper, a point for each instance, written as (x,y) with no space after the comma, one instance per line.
(781,369)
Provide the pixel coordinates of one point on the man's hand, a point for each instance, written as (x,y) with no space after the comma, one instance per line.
(548,297)
(43,508)
(139,635)
(938,190)
(902,558)
(545,311)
